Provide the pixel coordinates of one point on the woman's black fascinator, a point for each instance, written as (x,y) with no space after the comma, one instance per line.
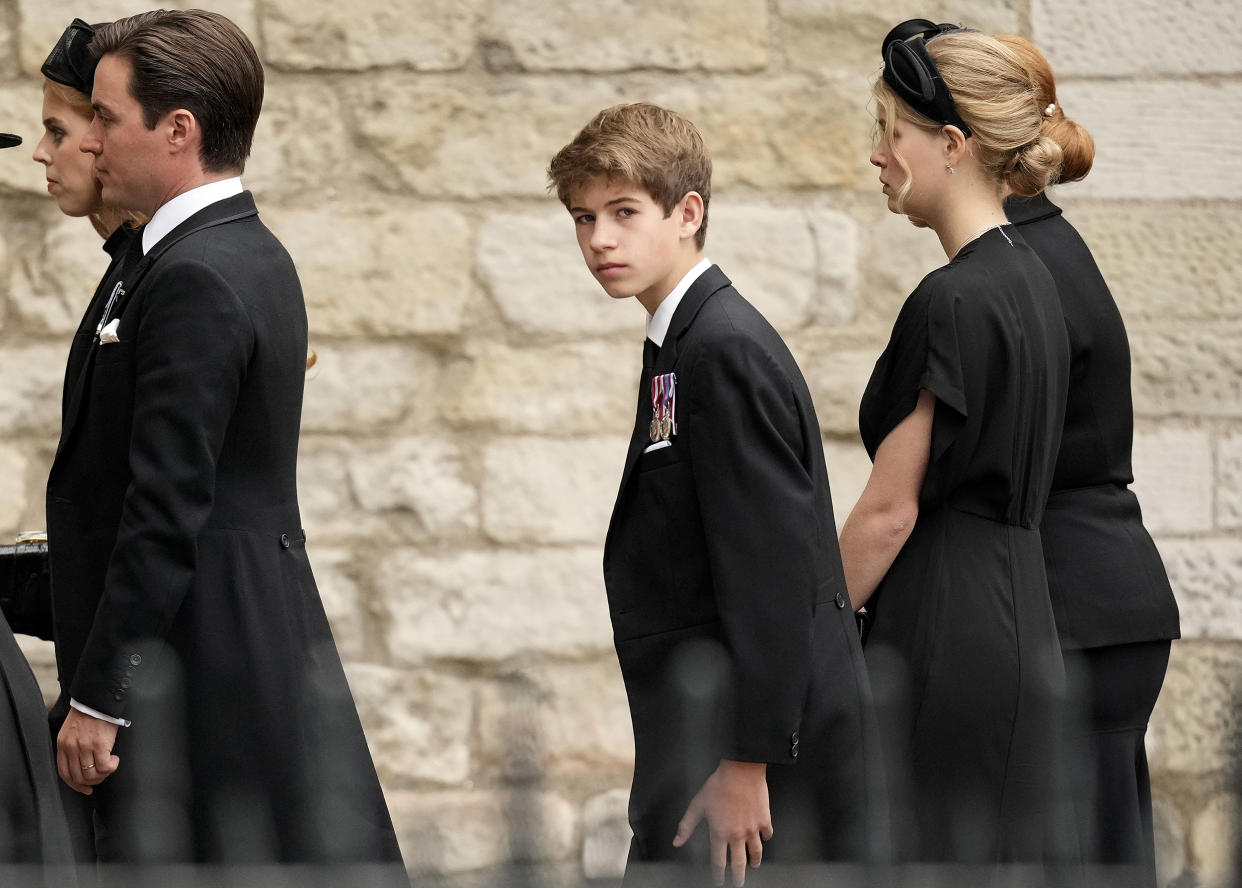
(71,62)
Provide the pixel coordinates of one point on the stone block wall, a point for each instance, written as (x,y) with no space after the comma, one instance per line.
(464,430)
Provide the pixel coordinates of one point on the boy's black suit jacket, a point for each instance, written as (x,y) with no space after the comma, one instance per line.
(182,595)
(728,602)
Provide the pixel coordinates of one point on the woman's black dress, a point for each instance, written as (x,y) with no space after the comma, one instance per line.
(1115,611)
(963,649)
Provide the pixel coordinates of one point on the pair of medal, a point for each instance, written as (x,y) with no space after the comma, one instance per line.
(663,406)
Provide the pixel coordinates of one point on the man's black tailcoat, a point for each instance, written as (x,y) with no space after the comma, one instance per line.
(182,595)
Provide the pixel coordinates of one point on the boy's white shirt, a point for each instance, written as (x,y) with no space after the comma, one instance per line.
(657,324)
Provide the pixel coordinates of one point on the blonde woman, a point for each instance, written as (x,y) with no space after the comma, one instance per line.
(961,417)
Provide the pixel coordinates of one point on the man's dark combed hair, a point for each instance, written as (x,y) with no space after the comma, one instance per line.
(199,61)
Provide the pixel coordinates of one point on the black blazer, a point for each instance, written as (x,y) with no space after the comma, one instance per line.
(182,596)
(727,597)
(1107,582)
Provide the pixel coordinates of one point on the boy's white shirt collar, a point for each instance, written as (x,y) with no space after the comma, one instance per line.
(185,205)
(657,324)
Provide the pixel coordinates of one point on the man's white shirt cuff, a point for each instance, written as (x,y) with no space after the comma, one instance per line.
(95,713)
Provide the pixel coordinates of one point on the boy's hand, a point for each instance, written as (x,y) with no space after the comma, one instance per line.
(734,802)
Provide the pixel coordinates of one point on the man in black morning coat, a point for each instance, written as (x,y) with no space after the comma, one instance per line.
(205,710)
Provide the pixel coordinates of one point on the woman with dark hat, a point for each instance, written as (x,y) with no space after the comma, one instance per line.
(69,74)
(33,827)
(33,832)
(1115,611)
(961,418)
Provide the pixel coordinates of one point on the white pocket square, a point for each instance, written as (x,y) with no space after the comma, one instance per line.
(657,446)
(108,333)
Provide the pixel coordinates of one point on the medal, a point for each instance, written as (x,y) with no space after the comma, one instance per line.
(664,406)
(654,432)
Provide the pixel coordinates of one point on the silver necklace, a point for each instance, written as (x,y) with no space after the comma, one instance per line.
(980,231)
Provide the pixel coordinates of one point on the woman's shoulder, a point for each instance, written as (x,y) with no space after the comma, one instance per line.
(940,291)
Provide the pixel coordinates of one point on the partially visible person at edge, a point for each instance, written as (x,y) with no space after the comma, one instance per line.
(68,78)
(962,417)
(206,716)
(1115,611)
(33,831)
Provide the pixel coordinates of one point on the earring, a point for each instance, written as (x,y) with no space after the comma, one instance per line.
(949,168)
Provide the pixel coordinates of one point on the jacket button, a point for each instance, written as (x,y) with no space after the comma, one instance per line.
(284,541)
(840,599)
(135,659)
(125,683)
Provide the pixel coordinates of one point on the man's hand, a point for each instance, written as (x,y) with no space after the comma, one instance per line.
(84,751)
(734,802)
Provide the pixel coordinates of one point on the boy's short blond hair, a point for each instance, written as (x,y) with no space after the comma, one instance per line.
(656,149)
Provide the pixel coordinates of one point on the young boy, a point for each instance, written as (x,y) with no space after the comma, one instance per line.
(741,660)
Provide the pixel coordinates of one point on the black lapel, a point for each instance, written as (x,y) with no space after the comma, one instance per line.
(81,350)
(709,282)
(230,209)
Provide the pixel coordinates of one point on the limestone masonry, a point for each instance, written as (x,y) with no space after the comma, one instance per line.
(465,427)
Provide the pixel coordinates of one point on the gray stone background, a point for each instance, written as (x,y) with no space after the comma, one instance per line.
(465,427)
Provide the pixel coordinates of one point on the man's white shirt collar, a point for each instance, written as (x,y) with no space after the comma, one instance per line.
(657,324)
(185,205)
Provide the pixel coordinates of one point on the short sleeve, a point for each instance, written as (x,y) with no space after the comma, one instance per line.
(923,352)
(942,369)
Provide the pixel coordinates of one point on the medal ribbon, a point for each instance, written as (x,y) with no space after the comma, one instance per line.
(670,398)
(663,406)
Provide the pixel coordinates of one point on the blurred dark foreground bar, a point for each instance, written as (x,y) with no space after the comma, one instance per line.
(648,876)
(910,876)
(186,876)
